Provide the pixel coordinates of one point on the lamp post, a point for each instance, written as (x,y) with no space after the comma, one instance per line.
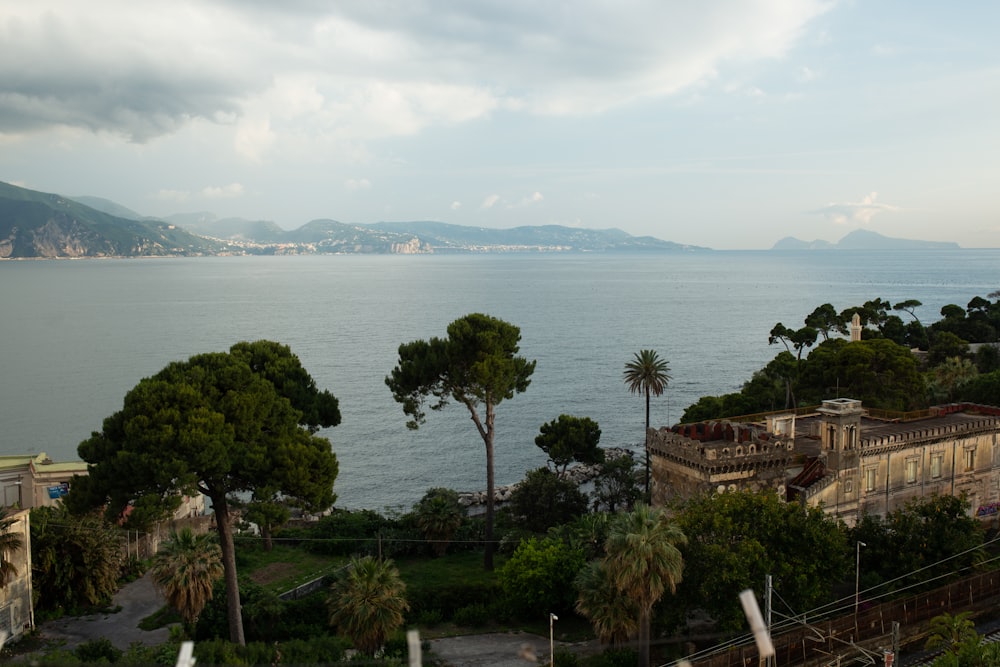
(857,582)
(552,642)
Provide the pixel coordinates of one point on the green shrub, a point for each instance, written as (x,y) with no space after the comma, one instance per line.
(473,615)
(428,618)
(564,658)
(98,650)
(343,533)
(540,575)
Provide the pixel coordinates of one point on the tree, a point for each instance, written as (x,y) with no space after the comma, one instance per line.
(219,424)
(615,486)
(568,439)
(643,562)
(825,320)
(186,568)
(76,561)
(9,543)
(950,375)
(950,632)
(614,617)
(439,515)
(476,365)
(647,374)
(269,512)
(544,499)
(737,538)
(367,603)
(539,576)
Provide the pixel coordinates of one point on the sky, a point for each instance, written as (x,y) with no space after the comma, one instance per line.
(728,124)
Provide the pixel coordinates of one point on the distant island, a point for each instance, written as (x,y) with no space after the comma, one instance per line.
(863,239)
(43,225)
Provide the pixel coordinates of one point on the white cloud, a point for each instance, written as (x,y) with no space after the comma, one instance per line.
(455,205)
(222,192)
(363,70)
(490,201)
(860,212)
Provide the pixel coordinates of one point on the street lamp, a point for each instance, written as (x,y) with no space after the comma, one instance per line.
(552,643)
(857,582)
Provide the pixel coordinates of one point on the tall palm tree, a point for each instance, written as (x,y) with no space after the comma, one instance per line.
(643,562)
(367,603)
(9,543)
(647,374)
(614,616)
(185,569)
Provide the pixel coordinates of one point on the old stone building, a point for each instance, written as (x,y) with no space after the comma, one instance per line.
(839,456)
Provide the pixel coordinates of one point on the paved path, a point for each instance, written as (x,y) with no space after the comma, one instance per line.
(138,600)
(510,649)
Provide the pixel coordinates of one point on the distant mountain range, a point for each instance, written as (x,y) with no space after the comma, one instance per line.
(863,239)
(41,225)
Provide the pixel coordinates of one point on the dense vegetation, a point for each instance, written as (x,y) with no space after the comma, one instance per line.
(606,564)
(881,369)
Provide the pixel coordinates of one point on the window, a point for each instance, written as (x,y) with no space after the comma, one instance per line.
(970,459)
(870,478)
(848,486)
(911,470)
(936,460)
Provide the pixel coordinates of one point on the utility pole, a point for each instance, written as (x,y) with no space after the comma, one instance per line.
(769,660)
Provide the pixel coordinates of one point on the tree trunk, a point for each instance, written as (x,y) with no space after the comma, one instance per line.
(265,532)
(644,616)
(645,434)
(234,613)
(488,554)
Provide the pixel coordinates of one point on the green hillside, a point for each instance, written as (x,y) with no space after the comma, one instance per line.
(43,225)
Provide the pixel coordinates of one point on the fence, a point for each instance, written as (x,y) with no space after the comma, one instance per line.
(825,641)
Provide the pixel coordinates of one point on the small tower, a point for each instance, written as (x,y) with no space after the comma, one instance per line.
(840,432)
(855,328)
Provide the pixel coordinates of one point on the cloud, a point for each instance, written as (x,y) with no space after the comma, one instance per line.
(490,201)
(455,205)
(533,198)
(357,184)
(361,70)
(856,212)
(223,192)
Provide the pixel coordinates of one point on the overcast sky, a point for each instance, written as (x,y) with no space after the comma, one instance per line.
(723,123)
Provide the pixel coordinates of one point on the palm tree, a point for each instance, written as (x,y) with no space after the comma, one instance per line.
(647,374)
(185,569)
(614,616)
(950,632)
(439,515)
(643,562)
(367,603)
(9,543)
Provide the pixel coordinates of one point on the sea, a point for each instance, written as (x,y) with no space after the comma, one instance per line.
(77,335)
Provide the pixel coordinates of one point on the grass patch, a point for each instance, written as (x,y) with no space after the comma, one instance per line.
(462,567)
(284,567)
(160,618)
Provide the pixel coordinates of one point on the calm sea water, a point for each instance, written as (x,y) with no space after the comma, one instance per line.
(77,335)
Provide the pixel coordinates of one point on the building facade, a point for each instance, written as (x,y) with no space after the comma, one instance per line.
(838,456)
(16,611)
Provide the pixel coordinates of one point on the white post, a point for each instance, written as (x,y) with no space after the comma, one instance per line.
(413,644)
(552,642)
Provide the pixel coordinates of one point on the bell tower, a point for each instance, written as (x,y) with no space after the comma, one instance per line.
(840,432)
